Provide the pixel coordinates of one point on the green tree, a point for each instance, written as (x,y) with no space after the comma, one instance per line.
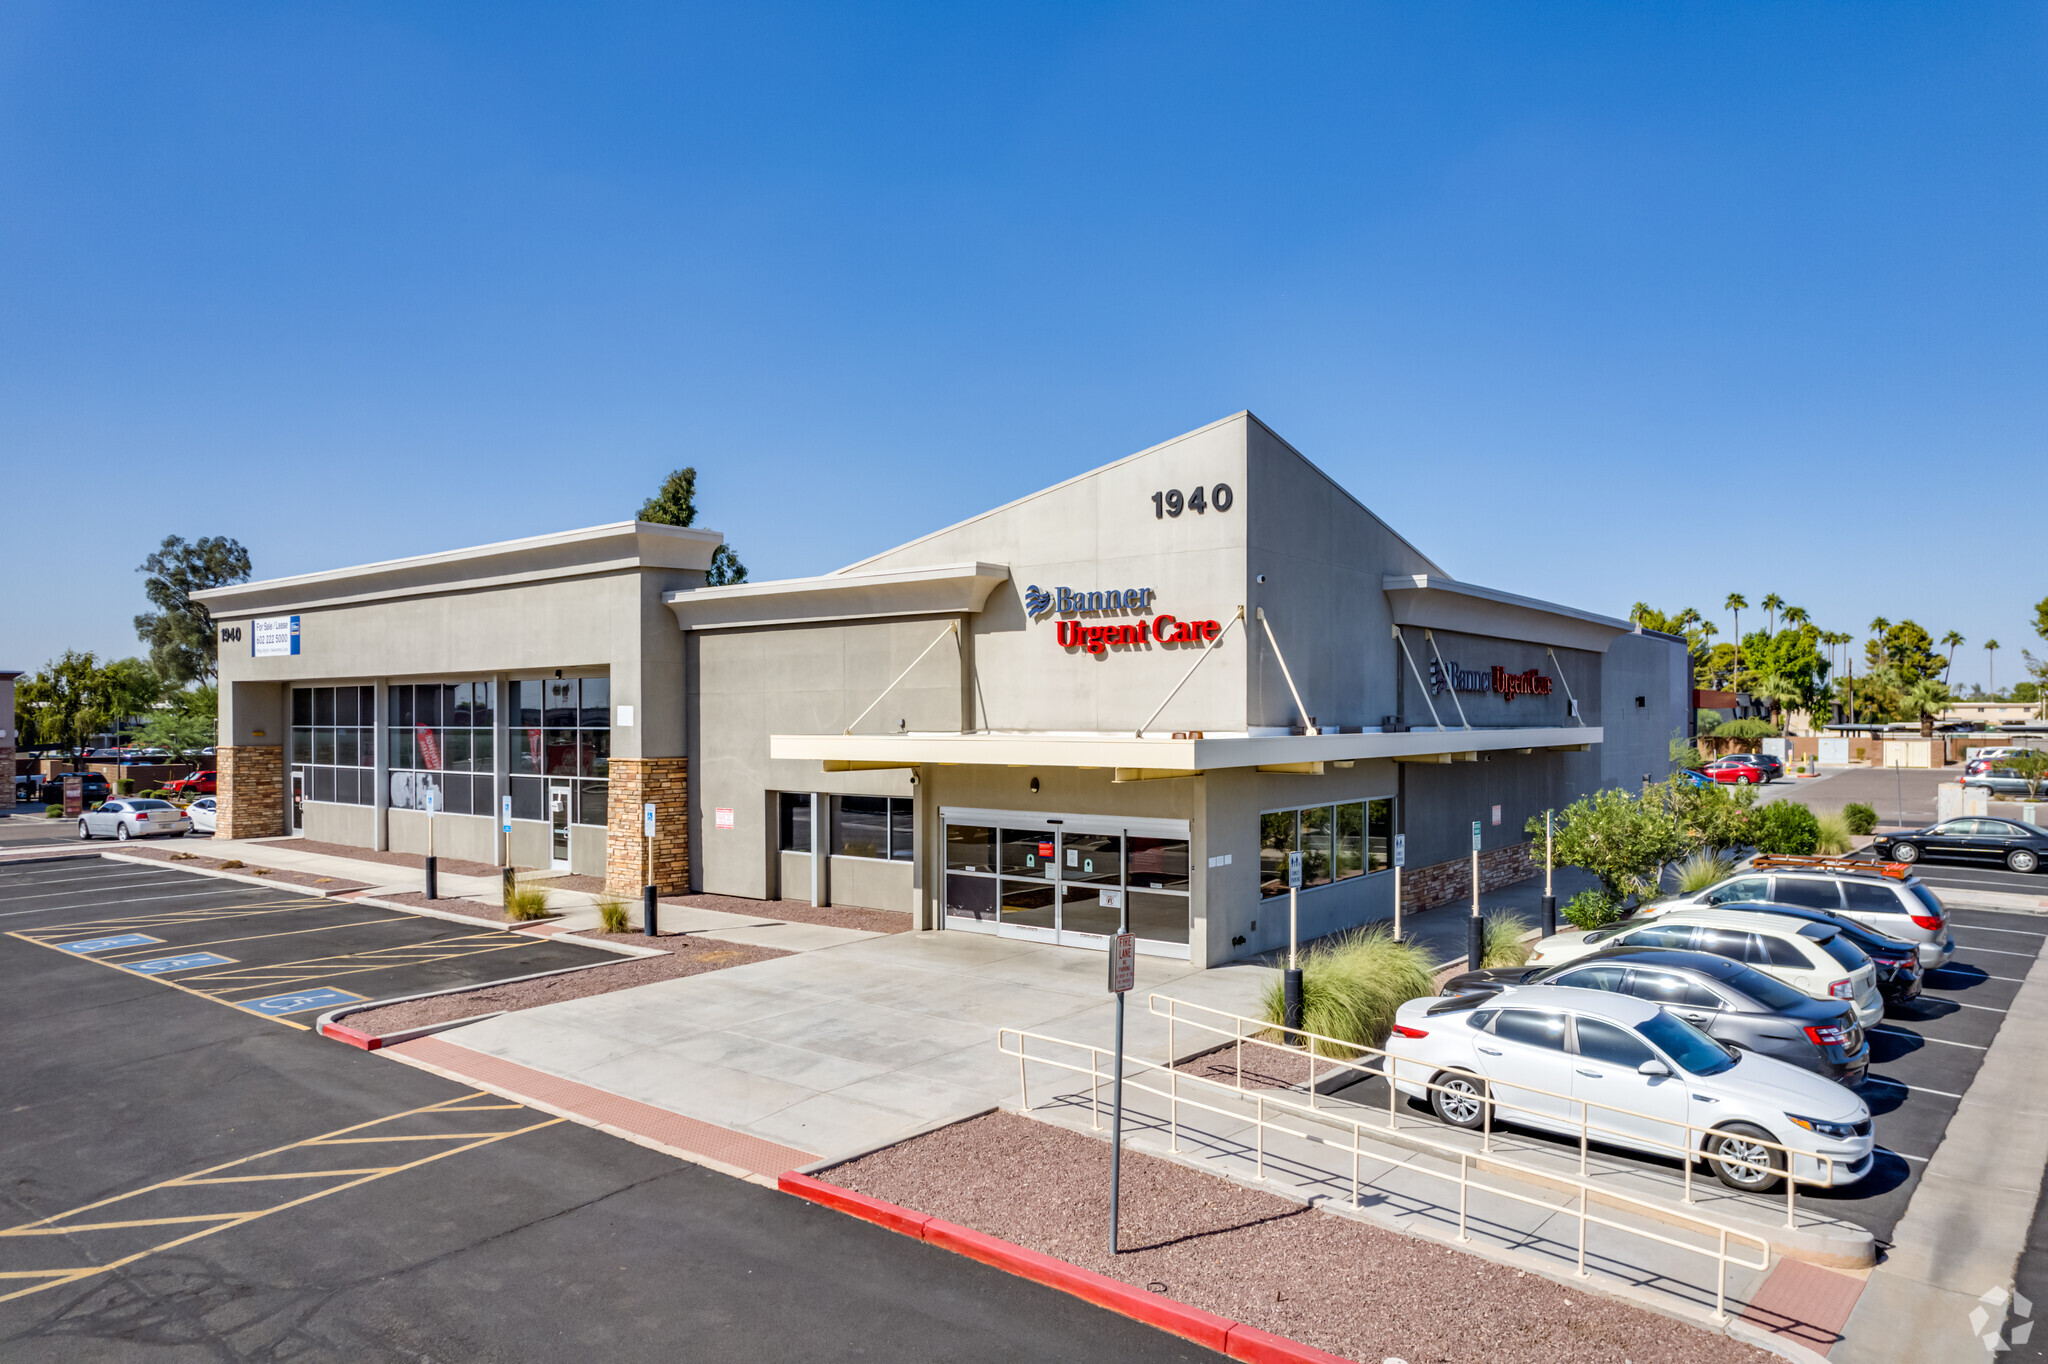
(1772,604)
(2041,618)
(189,722)
(2031,763)
(1624,840)
(1734,605)
(676,505)
(1990,665)
(1796,616)
(1951,639)
(1925,699)
(72,698)
(1907,649)
(183,646)
(1786,826)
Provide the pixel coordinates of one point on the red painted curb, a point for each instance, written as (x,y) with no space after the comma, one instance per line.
(854,1204)
(341,1033)
(1225,1336)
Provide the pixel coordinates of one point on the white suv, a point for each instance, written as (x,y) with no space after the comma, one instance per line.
(1811,958)
(1897,906)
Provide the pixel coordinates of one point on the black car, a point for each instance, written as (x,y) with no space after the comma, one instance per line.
(1987,842)
(93,787)
(1733,1003)
(1897,961)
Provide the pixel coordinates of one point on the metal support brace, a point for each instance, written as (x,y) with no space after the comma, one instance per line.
(1576,715)
(952,628)
(1307,721)
(1420,681)
(1200,659)
(1450,683)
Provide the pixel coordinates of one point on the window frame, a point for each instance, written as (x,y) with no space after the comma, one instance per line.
(1330,835)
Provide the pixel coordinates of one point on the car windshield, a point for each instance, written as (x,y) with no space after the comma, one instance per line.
(1692,1050)
(1847,955)
(1768,991)
(1926,898)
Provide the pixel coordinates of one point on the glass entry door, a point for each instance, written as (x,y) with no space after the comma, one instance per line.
(1066,879)
(298,802)
(558,825)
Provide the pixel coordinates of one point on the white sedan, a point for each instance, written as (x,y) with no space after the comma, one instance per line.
(201,813)
(1538,1051)
(133,817)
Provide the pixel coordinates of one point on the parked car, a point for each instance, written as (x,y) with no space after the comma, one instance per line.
(195,784)
(134,817)
(1740,769)
(1987,842)
(2000,781)
(1772,766)
(1695,778)
(1657,1071)
(1897,961)
(1813,959)
(1991,756)
(28,787)
(1728,1001)
(94,788)
(1883,896)
(201,813)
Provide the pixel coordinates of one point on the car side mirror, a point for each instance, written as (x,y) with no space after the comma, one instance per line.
(1653,1067)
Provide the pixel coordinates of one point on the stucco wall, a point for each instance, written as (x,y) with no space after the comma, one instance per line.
(1638,738)
(861,881)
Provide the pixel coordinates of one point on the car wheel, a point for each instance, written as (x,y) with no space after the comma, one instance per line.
(1905,852)
(84,832)
(1459,1099)
(2020,859)
(1741,1161)
(120,833)
(1741,780)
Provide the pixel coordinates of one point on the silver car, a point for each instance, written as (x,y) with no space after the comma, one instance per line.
(1897,906)
(2003,781)
(131,817)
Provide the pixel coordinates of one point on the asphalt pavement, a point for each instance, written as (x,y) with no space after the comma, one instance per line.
(195,1180)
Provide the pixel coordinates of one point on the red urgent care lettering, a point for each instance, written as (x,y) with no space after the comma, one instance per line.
(1165,629)
(1510,685)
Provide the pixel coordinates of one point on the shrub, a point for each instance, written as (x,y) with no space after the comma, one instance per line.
(232,863)
(611,913)
(1834,834)
(1788,827)
(55,811)
(1350,986)
(526,902)
(1623,839)
(124,786)
(1503,945)
(1745,728)
(1592,909)
(1862,819)
(1704,868)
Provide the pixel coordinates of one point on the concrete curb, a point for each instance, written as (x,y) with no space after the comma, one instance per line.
(1232,1338)
(329,1023)
(846,1157)
(341,1032)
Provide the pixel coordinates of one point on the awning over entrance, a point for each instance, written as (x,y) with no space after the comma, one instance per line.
(1133,757)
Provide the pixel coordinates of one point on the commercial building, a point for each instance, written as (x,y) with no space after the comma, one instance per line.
(1136,691)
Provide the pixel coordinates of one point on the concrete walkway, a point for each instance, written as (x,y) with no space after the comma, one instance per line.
(841,1049)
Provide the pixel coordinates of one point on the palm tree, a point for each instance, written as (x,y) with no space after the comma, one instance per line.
(1926,699)
(1735,603)
(1638,611)
(1877,629)
(1773,604)
(1991,665)
(1796,615)
(1952,639)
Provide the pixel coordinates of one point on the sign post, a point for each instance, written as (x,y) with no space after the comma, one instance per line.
(648,909)
(1549,898)
(433,880)
(1475,949)
(1400,861)
(1123,972)
(1291,977)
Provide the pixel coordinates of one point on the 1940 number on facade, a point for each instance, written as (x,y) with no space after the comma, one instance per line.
(1173,503)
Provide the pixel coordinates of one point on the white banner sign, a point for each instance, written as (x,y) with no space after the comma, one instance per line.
(273,636)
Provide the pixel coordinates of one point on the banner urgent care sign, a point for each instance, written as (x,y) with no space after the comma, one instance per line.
(1161,629)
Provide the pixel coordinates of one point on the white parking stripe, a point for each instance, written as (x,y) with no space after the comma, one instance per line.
(1901,1032)
(1902,1155)
(1901,1084)
(1950,970)
(146,899)
(1981,928)
(2002,952)
(126,883)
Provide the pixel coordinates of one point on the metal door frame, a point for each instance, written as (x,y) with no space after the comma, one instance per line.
(1058,824)
(568,789)
(296,793)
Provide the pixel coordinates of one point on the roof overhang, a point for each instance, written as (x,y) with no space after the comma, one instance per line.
(942,590)
(1431,602)
(1161,755)
(614,548)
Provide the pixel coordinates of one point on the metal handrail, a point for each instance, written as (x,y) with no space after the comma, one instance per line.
(1686,1153)
(1464,1179)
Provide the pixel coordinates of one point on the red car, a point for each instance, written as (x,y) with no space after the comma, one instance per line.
(198,784)
(1738,770)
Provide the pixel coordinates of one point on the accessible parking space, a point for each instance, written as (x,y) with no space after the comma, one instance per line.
(269,953)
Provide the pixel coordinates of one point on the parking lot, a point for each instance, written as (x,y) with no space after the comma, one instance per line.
(189,1172)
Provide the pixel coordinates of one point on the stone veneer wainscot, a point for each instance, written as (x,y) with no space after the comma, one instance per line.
(634,782)
(249,802)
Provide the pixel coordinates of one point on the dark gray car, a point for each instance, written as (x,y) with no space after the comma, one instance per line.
(1731,1002)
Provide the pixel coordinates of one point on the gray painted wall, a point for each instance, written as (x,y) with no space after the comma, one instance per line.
(1638,738)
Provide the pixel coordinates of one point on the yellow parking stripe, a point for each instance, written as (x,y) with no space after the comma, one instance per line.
(169,985)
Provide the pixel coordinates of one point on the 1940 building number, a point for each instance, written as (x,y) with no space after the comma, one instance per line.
(1172,503)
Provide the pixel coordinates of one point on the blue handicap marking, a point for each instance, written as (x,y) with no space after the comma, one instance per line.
(107,944)
(158,965)
(297,1003)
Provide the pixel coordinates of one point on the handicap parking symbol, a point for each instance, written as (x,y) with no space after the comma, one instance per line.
(157,966)
(278,1005)
(108,944)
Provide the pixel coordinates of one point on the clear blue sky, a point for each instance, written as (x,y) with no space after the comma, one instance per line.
(1593,302)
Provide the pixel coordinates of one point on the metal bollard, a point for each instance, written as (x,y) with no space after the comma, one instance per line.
(1549,915)
(1291,992)
(433,886)
(647,909)
(1475,943)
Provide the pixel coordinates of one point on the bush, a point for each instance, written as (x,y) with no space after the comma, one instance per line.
(526,902)
(1862,818)
(1503,945)
(55,811)
(1350,986)
(611,913)
(1592,909)
(1834,835)
(1704,868)
(1787,827)
(124,786)
(1745,728)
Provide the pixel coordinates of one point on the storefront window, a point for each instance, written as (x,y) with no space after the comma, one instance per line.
(793,822)
(1315,846)
(559,729)
(1350,834)
(1336,843)
(333,747)
(870,826)
(1276,840)
(439,747)
(1380,835)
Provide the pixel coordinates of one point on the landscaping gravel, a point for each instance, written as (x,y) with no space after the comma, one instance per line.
(801,912)
(684,957)
(469,909)
(157,853)
(455,866)
(1344,1286)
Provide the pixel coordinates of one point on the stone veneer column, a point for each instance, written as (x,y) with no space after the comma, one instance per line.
(1443,882)
(250,800)
(634,782)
